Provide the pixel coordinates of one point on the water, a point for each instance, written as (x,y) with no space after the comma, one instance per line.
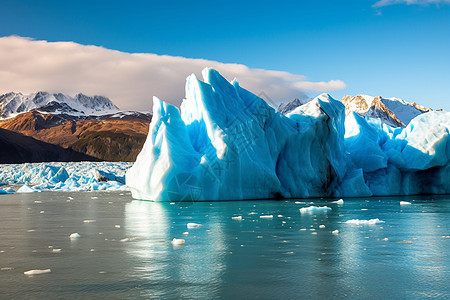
(126,253)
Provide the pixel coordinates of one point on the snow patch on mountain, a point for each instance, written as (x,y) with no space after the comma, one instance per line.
(392,111)
(12,104)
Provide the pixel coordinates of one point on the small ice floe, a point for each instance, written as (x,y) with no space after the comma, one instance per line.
(321,226)
(31,230)
(37,202)
(172,203)
(185,233)
(311,209)
(193,225)
(335,232)
(94,198)
(266,217)
(70,198)
(42,211)
(364,222)
(280,216)
(56,250)
(405,242)
(340,201)
(178,242)
(299,202)
(238,218)
(364,209)
(384,240)
(6,269)
(74,236)
(117,226)
(405,203)
(92,250)
(445,236)
(37,272)
(89,221)
(314,232)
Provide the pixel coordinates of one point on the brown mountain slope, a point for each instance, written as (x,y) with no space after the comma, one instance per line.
(106,138)
(17,148)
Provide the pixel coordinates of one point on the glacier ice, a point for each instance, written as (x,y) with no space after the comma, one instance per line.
(58,176)
(364,222)
(228,144)
(225,143)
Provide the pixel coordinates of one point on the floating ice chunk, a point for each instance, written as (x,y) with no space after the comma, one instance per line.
(6,269)
(266,217)
(340,201)
(117,226)
(405,242)
(26,189)
(193,225)
(335,232)
(37,202)
(364,222)
(299,202)
(238,218)
(89,221)
(125,240)
(74,235)
(56,250)
(314,232)
(311,209)
(321,226)
(280,216)
(94,198)
(405,203)
(385,239)
(37,272)
(178,242)
(185,233)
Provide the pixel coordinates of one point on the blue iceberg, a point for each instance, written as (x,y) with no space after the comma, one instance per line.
(225,143)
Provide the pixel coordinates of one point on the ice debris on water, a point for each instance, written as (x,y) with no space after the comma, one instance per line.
(311,209)
(335,232)
(238,218)
(266,217)
(178,242)
(322,226)
(89,221)
(74,235)
(37,272)
(364,222)
(193,225)
(340,201)
(405,203)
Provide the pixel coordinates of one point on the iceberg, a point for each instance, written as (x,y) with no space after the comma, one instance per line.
(225,143)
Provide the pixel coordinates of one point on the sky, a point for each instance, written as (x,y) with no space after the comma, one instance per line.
(133,50)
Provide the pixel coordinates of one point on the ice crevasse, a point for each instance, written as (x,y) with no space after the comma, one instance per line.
(225,143)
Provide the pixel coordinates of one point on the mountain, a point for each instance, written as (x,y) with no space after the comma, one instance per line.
(93,126)
(114,137)
(392,111)
(12,104)
(290,106)
(18,148)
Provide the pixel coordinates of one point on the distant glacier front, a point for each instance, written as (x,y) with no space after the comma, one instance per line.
(225,143)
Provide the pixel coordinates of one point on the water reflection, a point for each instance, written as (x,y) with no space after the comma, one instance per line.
(290,255)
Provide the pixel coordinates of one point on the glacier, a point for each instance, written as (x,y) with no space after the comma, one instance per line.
(61,176)
(226,143)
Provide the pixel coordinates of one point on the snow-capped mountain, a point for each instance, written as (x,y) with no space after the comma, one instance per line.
(12,104)
(392,111)
(291,105)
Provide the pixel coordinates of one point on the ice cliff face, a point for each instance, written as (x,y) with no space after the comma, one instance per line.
(15,103)
(226,143)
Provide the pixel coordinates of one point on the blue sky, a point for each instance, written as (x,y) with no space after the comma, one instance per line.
(392,48)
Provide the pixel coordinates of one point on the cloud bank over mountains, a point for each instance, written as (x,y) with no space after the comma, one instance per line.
(130,79)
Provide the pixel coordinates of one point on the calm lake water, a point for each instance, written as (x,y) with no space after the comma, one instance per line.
(125,249)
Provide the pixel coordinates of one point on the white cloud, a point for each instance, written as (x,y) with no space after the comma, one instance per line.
(382,3)
(129,80)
